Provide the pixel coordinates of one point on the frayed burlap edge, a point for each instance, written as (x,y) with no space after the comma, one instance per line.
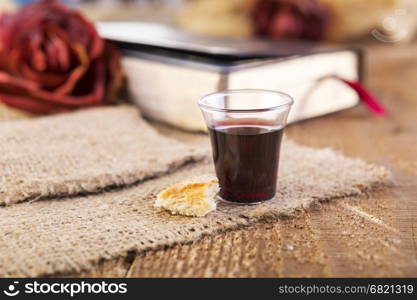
(187,230)
(129,255)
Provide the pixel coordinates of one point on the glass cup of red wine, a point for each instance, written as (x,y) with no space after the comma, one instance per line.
(245,128)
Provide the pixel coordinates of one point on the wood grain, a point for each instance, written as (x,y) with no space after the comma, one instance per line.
(373,235)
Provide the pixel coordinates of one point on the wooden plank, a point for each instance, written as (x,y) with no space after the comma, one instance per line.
(371,235)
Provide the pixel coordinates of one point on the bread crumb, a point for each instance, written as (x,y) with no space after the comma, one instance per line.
(193,197)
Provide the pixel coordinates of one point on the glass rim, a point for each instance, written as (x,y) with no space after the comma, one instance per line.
(288,100)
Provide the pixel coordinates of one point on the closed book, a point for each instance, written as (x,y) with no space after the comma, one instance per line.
(168,71)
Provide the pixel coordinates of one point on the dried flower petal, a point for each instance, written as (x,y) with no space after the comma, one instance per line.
(53,60)
(296,19)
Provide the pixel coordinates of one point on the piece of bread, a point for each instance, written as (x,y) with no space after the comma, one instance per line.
(194,197)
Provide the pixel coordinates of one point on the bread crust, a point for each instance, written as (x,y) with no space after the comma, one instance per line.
(193,197)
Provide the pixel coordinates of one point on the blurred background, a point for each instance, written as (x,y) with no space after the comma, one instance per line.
(385,29)
(392,21)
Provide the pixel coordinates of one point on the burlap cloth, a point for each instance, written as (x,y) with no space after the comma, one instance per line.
(84,151)
(87,151)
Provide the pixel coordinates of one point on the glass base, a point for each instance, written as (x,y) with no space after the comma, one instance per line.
(241,203)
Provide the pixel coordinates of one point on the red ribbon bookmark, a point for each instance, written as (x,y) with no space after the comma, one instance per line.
(366,97)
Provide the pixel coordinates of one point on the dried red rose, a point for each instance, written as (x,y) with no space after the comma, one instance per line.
(52,60)
(296,19)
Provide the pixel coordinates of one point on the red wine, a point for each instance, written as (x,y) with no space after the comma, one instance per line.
(246,157)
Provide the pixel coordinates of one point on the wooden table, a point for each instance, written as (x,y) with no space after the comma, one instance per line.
(372,235)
